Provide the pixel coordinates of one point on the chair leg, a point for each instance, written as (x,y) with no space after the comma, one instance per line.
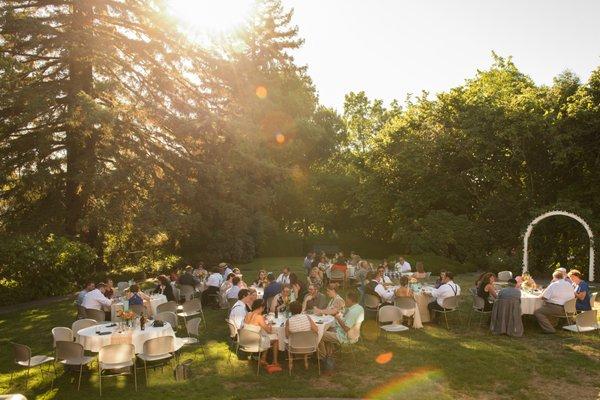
(470,317)
(146,371)
(318,362)
(100,377)
(446,319)
(27,379)
(135,375)
(290,363)
(258,363)
(11,378)
(79,381)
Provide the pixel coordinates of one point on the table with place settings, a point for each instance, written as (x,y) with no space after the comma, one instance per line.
(323,322)
(95,337)
(531,301)
(155,301)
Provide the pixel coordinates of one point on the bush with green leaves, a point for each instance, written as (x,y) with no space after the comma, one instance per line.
(34,268)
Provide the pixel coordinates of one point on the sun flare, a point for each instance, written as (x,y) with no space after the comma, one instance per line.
(212,16)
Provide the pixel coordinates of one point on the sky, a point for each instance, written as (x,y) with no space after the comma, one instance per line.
(390,48)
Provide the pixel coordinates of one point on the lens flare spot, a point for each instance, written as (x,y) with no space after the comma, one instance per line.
(384,358)
(280,138)
(261,92)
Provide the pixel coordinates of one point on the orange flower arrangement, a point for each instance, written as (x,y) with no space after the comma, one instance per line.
(126,315)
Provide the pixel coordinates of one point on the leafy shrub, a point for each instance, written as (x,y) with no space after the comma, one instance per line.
(33,268)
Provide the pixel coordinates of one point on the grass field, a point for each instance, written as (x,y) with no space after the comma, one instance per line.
(458,364)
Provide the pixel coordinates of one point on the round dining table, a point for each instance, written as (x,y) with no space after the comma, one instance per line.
(95,337)
(323,322)
(531,302)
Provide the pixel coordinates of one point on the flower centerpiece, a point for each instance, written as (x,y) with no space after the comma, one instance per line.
(126,316)
(528,283)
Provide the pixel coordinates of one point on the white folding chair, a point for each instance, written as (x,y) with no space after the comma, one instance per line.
(81,324)
(304,344)
(391,317)
(450,305)
(192,308)
(119,357)
(586,321)
(157,349)
(249,341)
(168,306)
(72,354)
(23,358)
(61,333)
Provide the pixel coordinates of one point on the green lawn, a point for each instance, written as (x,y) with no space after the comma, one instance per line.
(439,364)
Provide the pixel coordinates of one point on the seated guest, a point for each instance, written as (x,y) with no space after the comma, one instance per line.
(347,328)
(225,270)
(313,299)
(354,258)
(323,264)
(281,300)
(88,288)
(336,303)
(298,288)
(174,275)
(164,287)
(554,296)
(340,264)
(261,280)
(225,286)
(95,298)
(511,291)
(402,265)
(241,307)
(382,277)
(299,322)
(110,289)
(256,318)
(200,271)
(137,297)
(361,272)
(420,274)
(447,289)
(487,291)
(238,273)
(582,291)
(441,278)
(284,277)
(377,288)
(272,288)
(315,277)
(308,261)
(404,290)
(213,285)
(188,278)
(232,292)
(565,275)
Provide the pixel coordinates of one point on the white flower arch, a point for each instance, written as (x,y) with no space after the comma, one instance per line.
(566,214)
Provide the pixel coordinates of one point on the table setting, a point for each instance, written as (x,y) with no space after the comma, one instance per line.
(323,322)
(95,337)
(123,304)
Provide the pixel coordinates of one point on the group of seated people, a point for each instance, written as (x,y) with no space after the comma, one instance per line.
(102,295)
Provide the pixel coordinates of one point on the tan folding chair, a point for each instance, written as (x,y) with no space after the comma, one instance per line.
(192,308)
(23,358)
(193,339)
(450,305)
(168,306)
(372,302)
(119,357)
(170,317)
(478,308)
(406,304)
(186,292)
(593,300)
(61,333)
(570,311)
(97,315)
(304,344)
(139,309)
(157,349)
(504,276)
(81,312)
(586,321)
(81,324)
(391,317)
(338,276)
(249,341)
(72,354)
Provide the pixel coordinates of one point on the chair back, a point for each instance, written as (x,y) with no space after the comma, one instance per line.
(587,319)
(121,286)
(249,339)
(168,316)
(337,275)
(389,314)
(405,303)
(570,306)
(473,291)
(593,299)
(116,353)
(159,346)
(21,352)
(478,302)
(82,324)
(451,303)
(98,315)
(81,312)
(192,306)
(186,292)
(233,331)
(139,309)
(504,276)
(192,326)
(371,301)
(302,342)
(68,350)
(61,333)
(168,306)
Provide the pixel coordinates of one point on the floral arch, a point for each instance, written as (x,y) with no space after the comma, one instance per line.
(566,214)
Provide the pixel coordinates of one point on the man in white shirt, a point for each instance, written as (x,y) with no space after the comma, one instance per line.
(241,307)
(402,265)
(234,290)
(386,295)
(382,277)
(447,289)
(226,270)
(210,295)
(555,296)
(284,277)
(96,298)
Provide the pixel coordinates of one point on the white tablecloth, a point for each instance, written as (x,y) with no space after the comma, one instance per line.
(323,323)
(155,301)
(530,302)
(259,291)
(91,341)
